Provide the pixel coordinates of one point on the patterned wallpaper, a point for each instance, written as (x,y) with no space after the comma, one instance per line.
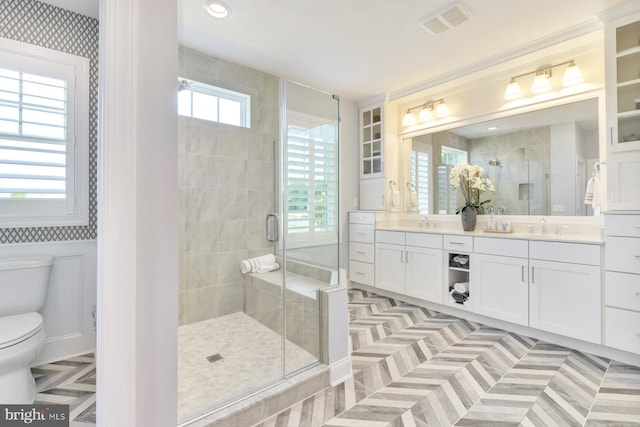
(41,24)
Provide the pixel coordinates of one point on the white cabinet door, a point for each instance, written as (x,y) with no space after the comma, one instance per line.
(565,299)
(424,273)
(501,287)
(624,176)
(390,267)
(372,194)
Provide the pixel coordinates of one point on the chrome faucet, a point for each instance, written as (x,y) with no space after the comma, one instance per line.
(544,226)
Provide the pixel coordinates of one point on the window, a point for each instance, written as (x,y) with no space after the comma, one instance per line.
(44,117)
(312,206)
(420,176)
(206,102)
(447,196)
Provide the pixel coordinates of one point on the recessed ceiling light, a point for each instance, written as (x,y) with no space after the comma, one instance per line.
(216,8)
(493,128)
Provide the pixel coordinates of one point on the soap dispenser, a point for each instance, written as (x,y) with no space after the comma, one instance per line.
(490,224)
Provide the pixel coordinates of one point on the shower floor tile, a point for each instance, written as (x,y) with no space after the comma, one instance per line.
(220,359)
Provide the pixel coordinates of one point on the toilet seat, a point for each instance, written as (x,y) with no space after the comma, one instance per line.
(17,328)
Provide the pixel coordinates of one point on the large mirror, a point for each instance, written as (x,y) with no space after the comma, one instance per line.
(540,162)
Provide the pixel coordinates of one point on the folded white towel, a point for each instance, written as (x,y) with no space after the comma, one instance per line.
(414,199)
(461,287)
(260,264)
(588,195)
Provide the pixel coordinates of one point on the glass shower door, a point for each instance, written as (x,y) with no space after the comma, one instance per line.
(310,216)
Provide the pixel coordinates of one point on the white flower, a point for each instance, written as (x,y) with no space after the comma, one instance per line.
(469,179)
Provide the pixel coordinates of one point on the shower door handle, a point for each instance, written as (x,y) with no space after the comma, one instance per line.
(272,228)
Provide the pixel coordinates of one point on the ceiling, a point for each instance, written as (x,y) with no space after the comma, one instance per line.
(363,48)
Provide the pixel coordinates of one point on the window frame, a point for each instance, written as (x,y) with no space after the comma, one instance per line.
(73,210)
(220,93)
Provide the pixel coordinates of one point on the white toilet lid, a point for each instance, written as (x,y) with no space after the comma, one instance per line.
(17,328)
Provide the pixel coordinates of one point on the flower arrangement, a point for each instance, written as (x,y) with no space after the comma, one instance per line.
(468,178)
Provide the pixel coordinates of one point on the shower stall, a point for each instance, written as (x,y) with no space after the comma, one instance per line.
(255,189)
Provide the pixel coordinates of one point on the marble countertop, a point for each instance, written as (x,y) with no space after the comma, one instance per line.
(564,236)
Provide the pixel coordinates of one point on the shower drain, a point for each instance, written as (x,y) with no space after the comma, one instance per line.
(214,358)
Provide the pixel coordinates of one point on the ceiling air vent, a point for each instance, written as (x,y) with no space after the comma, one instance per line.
(450,17)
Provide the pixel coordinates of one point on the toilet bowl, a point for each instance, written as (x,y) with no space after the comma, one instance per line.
(21,338)
(23,286)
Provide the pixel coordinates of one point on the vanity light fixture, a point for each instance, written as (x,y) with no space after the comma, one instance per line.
(216,8)
(427,111)
(572,75)
(541,82)
(408,119)
(442,110)
(513,90)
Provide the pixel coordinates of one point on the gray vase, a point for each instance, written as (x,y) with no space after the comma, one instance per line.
(468,216)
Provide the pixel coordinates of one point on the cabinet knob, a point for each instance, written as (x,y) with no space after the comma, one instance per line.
(360,252)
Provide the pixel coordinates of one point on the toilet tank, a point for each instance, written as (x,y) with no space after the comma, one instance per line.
(23,284)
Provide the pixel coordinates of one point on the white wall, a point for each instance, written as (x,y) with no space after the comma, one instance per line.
(138,211)
(71,293)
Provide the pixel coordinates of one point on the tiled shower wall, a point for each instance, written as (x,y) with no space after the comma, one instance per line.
(521,182)
(226,189)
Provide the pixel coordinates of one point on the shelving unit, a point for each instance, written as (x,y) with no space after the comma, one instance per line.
(371,134)
(628,85)
(458,272)
(622,65)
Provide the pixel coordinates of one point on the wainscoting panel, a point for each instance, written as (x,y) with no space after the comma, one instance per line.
(68,321)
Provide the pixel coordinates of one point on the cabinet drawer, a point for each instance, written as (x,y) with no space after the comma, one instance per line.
(424,240)
(622,329)
(362,218)
(361,233)
(361,272)
(392,237)
(575,253)
(622,225)
(622,290)
(622,254)
(458,243)
(363,252)
(505,247)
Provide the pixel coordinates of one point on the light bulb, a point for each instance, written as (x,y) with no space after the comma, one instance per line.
(513,90)
(541,83)
(408,119)
(572,76)
(216,8)
(425,114)
(442,110)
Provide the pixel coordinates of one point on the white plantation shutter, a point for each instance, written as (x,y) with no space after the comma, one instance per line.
(311,180)
(33,136)
(420,175)
(44,137)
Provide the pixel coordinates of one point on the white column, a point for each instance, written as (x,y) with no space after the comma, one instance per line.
(138,214)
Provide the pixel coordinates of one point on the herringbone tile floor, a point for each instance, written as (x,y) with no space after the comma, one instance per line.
(417,367)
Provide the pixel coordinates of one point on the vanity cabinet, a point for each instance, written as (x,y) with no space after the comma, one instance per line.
(361,247)
(410,264)
(622,68)
(499,273)
(390,263)
(622,282)
(564,289)
(372,181)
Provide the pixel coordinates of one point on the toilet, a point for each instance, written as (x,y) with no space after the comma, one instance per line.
(23,287)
